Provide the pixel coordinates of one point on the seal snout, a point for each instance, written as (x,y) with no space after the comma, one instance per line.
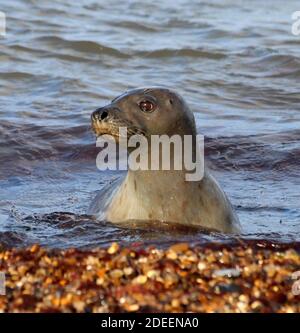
(105,120)
(100,120)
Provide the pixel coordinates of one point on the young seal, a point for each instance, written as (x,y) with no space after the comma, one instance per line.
(158,195)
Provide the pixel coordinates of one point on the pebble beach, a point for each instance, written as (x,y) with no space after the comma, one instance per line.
(248,276)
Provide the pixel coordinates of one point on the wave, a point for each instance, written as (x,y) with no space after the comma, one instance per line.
(183,52)
(81,46)
(16,75)
(97,48)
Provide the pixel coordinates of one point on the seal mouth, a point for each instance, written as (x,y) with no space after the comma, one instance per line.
(111,126)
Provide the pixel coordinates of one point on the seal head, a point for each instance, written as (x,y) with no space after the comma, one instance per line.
(152,111)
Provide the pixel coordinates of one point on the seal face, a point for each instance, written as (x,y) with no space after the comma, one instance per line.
(158,195)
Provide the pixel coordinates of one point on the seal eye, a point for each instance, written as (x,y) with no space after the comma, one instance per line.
(146,106)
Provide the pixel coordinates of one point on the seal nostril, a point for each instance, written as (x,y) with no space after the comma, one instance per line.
(104,114)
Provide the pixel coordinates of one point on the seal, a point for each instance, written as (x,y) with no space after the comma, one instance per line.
(158,195)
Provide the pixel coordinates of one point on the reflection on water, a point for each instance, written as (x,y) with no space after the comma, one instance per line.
(236,63)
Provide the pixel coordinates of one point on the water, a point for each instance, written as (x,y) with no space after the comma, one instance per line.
(236,63)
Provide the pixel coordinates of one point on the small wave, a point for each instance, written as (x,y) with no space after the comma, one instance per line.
(31,50)
(16,75)
(81,46)
(137,26)
(184,52)
(279,59)
(186,24)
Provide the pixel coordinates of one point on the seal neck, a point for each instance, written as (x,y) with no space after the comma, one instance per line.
(168,161)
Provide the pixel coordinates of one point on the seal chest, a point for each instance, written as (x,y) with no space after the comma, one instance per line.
(160,195)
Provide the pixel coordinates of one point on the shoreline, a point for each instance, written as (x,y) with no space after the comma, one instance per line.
(252,276)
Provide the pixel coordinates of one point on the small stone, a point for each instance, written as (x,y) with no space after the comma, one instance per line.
(100,281)
(201,266)
(256,305)
(92,261)
(244,298)
(132,307)
(229,272)
(113,248)
(179,248)
(172,255)
(34,248)
(152,274)
(79,306)
(128,270)
(175,303)
(141,279)
(116,273)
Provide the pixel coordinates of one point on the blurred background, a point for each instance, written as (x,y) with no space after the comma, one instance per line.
(236,63)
